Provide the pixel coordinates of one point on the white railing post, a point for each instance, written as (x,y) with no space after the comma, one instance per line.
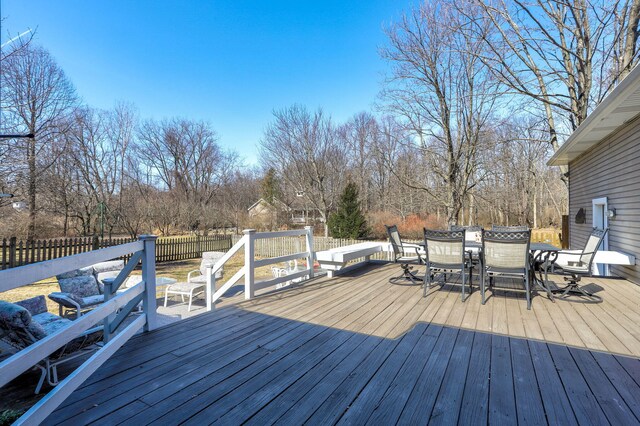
(149,278)
(249,251)
(211,287)
(310,255)
(108,293)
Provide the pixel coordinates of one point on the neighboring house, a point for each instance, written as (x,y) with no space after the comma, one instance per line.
(262,209)
(603,156)
(294,213)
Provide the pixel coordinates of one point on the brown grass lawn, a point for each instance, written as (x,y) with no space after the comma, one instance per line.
(177,270)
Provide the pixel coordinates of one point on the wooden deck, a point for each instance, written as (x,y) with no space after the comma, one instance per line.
(357,349)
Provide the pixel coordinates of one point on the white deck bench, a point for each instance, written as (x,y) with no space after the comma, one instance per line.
(335,259)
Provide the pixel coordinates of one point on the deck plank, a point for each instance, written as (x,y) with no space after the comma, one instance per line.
(584,403)
(447,406)
(530,410)
(475,400)
(554,398)
(422,399)
(502,402)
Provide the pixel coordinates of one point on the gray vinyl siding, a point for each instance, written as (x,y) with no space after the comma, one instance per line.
(610,169)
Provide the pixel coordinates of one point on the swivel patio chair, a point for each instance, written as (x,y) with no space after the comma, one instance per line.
(400,250)
(24,323)
(445,252)
(506,254)
(581,267)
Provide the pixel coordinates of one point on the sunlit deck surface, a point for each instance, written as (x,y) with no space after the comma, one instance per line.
(357,349)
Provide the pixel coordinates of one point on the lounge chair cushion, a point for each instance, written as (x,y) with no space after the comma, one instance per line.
(80,286)
(35,305)
(14,319)
(50,322)
(82,272)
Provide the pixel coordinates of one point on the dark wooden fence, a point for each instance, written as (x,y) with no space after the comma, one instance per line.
(17,253)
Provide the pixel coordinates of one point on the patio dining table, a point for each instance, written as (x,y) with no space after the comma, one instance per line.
(543,255)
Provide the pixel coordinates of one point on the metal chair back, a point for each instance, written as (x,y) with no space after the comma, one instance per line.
(445,249)
(506,251)
(591,247)
(395,240)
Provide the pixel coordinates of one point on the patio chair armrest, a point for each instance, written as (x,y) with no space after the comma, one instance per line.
(191,273)
(422,256)
(65,299)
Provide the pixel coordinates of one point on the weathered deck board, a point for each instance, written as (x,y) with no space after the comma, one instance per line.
(358,349)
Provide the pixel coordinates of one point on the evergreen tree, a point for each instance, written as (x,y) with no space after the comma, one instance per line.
(270,186)
(348,221)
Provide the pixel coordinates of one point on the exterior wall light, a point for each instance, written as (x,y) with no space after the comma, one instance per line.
(611,213)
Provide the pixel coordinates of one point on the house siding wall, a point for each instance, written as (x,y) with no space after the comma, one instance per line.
(610,169)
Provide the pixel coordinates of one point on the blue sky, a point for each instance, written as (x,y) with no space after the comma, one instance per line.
(227,62)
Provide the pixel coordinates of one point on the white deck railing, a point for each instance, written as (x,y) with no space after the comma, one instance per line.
(250,263)
(112,312)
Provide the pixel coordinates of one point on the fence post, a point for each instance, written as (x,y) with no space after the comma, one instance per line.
(310,253)
(95,243)
(249,273)
(12,252)
(149,277)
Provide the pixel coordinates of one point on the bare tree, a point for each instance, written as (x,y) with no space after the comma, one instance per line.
(360,134)
(305,149)
(564,55)
(35,96)
(445,96)
(188,162)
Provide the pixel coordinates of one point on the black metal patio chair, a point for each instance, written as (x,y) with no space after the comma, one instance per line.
(400,250)
(506,254)
(445,252)
(581,267)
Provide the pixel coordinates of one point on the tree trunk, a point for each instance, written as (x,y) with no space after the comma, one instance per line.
(31,160)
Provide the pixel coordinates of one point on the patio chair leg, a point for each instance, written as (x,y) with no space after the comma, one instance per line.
(43,376)
(166,296)
(54,373)
(427,282)
(528,290)
(482,285)
(190,300)
(463,282)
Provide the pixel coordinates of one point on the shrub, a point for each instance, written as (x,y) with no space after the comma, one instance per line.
(410,228)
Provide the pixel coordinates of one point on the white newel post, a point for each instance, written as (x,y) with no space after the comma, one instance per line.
(211,287)
(149,278)
(108,293)
(310,255)
(249,273)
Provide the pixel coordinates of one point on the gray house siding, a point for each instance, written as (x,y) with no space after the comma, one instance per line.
(610,169)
